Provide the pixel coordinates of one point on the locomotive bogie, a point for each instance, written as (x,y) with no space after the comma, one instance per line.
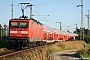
(18,44)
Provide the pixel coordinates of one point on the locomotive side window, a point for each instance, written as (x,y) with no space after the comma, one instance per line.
(23,24)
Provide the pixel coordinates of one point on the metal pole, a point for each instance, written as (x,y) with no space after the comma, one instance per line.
(81,28)
(30,10)
(76,28)
(82,19)
(60,25)
(12,9)
(88,22)
(0,32)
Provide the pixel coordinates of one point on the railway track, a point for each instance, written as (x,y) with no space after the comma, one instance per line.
(6,52)
(10,53)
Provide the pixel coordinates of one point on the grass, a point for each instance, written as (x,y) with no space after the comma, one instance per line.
(66,46)
(45,53)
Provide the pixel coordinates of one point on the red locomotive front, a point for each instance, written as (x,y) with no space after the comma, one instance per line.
(18,28)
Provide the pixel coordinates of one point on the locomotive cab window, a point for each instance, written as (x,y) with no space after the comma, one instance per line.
(23,24)
(14,24)
(19,24)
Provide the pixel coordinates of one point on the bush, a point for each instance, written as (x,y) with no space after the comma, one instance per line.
(88,51)
(84,53)
(87,39)
(4,44)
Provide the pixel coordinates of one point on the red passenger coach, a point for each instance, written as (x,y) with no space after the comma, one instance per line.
(48,33)
(44,33)
(55,35)
(25,32)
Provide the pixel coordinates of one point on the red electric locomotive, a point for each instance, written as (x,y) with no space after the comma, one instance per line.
(25,32)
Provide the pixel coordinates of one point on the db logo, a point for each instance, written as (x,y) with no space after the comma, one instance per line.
(18,32)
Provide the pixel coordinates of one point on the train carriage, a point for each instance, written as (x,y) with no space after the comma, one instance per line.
(44,33)
(48,33)
(55,35)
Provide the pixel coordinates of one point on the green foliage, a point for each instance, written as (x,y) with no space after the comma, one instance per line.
(86,37)
(84,53)
(4,44)
(88,51)
(51,50)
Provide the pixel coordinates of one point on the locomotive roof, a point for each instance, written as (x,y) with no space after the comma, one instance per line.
(29,19)
(36,21)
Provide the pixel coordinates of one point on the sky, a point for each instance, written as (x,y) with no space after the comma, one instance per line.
(64,11)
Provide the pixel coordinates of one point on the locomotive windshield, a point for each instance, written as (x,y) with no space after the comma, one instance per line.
(19,24)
